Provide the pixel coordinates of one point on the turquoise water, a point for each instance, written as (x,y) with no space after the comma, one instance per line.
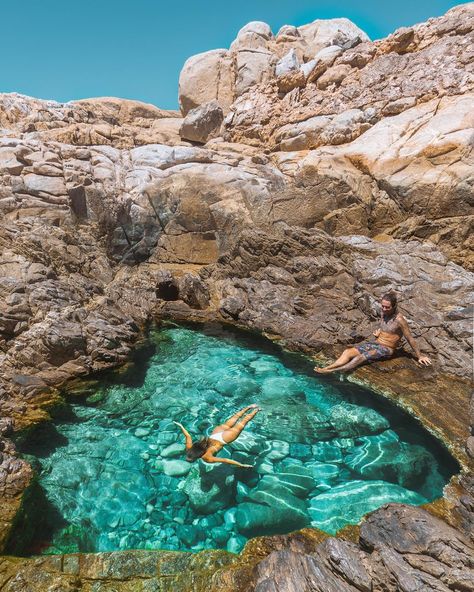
(324,453)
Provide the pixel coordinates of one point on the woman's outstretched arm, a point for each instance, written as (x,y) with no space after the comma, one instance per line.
(189,441)
(228,461)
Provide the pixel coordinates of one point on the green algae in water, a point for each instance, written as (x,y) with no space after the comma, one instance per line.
(325,453)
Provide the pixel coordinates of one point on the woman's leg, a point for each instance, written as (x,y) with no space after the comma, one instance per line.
(233,420)
(234,432)
(347,355)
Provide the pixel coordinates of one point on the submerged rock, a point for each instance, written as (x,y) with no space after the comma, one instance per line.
(351,420)
(347,503)
(385,457)
(209,488)
(295,478)
(278,512)
(176,468)
(173,450)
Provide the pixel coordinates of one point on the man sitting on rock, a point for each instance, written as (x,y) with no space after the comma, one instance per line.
(393,326)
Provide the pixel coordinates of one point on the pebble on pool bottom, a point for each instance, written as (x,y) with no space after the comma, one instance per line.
(118,477)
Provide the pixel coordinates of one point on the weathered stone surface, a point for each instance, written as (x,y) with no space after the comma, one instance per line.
(288,63)
(423,559)
(209,487)
(202,123)
(434,63)
(394,161)
(257,57)
(105,121)
(421,553)
(358,495)
(322,200)
(205,77)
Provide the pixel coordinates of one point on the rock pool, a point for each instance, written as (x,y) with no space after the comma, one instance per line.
(112,472)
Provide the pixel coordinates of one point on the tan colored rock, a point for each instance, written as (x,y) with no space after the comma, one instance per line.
(253,67)
(224,75)
(323,33)
(121,111)
(103,121)
(321,62)
(438,62)
(291,80)
(333,76)
(320,130)
(205,77)
(416,162)
(424,155)
(258,28)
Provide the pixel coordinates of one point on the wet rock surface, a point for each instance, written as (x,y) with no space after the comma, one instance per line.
(334,182)
(400,548)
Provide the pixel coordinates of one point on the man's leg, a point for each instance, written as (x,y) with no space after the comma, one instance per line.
(357,361)
(347,355)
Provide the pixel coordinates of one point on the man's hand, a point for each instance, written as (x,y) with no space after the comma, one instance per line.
(376,333)
(424,361)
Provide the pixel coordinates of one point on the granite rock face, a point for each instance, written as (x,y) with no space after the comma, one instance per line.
(389,86)
(397,550)
(258,56)
(410,67)
(345,169)
(103,121)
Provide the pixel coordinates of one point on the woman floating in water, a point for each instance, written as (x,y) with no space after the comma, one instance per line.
(223,434)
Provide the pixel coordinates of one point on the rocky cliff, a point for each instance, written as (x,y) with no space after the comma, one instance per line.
(308,173)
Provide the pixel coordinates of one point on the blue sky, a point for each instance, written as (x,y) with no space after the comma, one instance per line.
(55,49)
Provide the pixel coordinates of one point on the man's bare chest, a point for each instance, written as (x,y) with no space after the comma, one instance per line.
(391,326)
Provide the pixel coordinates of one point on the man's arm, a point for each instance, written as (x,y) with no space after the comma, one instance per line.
(187,435)
(425,360)
(210,458)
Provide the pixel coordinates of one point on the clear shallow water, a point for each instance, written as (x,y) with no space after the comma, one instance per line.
(325,453)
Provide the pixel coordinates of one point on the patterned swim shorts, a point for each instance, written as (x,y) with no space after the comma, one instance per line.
(371,350)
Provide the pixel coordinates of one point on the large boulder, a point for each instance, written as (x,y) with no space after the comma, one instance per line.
(347,503)
(210,487)
(202,123)
(252,68)
(385,457)
(352,420)
(271,512)
(204,77)
(295,478)
(323,33)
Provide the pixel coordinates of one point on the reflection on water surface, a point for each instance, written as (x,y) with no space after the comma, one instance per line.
(324,452)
